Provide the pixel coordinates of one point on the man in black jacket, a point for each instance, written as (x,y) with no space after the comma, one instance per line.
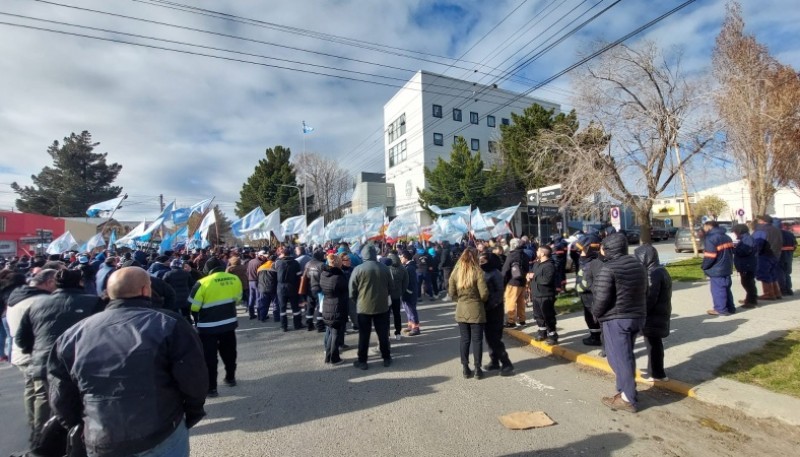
(620,305)
(42,324)
(181,282)
(446,264)
(495,316)
(288,272)
(588,266)
(543,291)
(164,295)
(134,375)
(312,272)
(515,270)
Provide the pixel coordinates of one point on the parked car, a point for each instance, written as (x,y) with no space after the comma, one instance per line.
(683,240)
(672,231)
(659,234)
(632,235)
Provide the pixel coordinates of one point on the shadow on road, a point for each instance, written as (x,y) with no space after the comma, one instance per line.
(603,445)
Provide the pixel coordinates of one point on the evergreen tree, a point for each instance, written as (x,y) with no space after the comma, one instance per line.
(220,231)
(264,187)
(518,139)
(461,181)
(78,179)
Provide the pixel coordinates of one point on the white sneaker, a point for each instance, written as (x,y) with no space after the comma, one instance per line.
(649,379)
(398,337)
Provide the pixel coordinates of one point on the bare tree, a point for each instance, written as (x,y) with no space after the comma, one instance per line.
(330,185)
(642,99)
(759,102)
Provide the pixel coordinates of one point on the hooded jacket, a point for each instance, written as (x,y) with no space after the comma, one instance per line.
(42,324)
(130,374)
(411,292)
(335,300)
(181,282)
(371,284)
(659,293)
(620,288)
(470,301)
(20,300)
(313,272)
(399,277)
(288,271)
(494,282)
(744,254)
(267,281)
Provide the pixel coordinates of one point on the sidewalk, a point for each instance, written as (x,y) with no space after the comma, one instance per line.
(698,344)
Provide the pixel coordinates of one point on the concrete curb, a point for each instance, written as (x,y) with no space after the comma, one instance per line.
(598,363)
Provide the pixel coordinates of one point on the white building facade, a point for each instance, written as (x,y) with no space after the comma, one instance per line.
(785,204)
(423,119)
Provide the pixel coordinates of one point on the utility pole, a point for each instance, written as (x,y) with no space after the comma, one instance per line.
(686,200)
(161,201)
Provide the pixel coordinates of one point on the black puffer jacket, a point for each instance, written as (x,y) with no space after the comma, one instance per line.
(494,282)
(181,282)
(659,294)
(313,271)
(131,374)
(544,279)
(288,275)
(620,288)
(335,301)
(519,257)
(42,324)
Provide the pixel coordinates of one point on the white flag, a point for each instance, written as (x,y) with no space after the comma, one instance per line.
(62,244)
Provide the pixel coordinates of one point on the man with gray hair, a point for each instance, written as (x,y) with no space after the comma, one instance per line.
(21,299)
(514,273)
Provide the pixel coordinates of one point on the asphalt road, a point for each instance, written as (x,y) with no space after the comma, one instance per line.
(289,403)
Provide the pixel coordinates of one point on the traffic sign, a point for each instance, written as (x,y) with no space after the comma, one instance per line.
(740,212)
(550,193)
(36,239)
(543,211)
(615,219)
(533,197)
(532,211)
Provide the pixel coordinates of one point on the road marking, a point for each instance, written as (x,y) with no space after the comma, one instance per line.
(534,384)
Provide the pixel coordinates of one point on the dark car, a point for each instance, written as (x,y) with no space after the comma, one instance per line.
(633,235)
(672,231)
(659,234)
(683,241)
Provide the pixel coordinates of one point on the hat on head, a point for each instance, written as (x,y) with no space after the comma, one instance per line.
(83,259)
(176,264)
(213,263)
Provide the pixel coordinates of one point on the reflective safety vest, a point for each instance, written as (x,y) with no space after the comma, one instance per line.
(214,299)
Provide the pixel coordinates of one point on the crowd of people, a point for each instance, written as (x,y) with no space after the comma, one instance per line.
(83,328)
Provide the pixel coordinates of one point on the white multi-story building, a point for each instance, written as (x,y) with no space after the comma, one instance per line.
(425,116)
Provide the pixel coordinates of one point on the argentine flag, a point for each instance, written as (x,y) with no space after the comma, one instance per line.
(105,207)
(307,128)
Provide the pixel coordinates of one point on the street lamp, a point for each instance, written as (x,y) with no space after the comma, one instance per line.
(299,195)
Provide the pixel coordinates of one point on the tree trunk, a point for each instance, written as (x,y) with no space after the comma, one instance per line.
(643,214)
(761,194)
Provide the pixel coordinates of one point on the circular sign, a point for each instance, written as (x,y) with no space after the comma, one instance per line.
(614,213)
(740,213)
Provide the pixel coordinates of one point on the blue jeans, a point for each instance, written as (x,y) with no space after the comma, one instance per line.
(252,297)
(176,445)
(5,340)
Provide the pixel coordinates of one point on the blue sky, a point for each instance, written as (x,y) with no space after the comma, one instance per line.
(189,126)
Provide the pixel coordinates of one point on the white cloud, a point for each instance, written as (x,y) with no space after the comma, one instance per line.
(188,126)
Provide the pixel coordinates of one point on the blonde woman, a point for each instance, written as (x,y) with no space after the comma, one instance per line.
(468,289)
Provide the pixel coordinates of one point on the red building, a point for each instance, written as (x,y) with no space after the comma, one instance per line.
(19,232)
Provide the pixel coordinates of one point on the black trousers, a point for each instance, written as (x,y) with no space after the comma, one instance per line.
(471,337)
(544,312)
(381,322)
(748,279)
(398,319)
(588,317)
(285,300)
(495,319)
(225,344)
(655,359)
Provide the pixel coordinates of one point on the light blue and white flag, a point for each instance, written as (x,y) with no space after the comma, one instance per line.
(180,216)
(129,240)
(201,206)
(112,239)
(503,214)
(294,225)
(95,242)
(315,232)
(105,208)
(268,225)
(307,128)
(248,222)
(462,210)
(166,215)
(62,244)
(206,223)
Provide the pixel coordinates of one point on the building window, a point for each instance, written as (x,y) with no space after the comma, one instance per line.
(492,147)
(473,117)
(476,144)
(490,121)
(437,110)
(505,121)
(397,128)
(397,153)
(438,139)
(456,114)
